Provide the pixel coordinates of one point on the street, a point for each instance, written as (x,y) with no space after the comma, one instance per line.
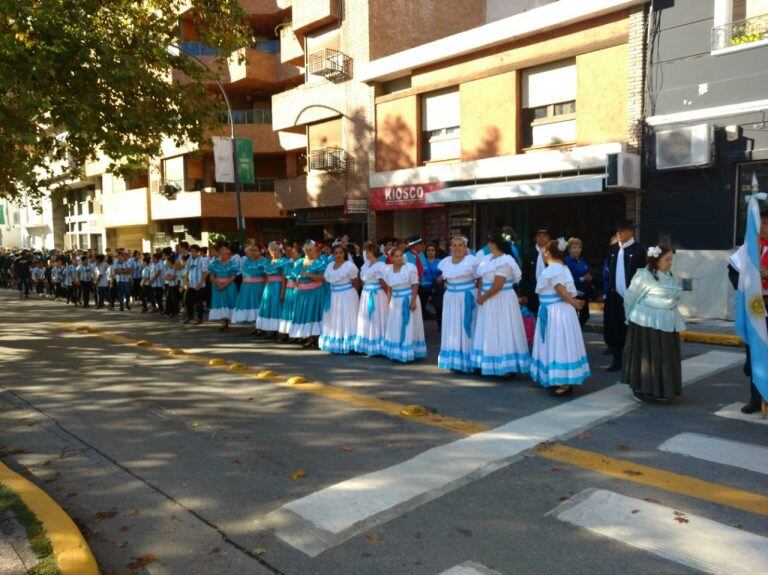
(172,461)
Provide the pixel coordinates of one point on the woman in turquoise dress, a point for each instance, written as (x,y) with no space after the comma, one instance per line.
(290,273)
(252,288)
(310,297)
(271,308)
(222,272)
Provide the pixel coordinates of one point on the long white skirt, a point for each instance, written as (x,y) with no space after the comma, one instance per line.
(340,322)
(560,359)
(412,345)
(499,345)
(371,328)
(455,342)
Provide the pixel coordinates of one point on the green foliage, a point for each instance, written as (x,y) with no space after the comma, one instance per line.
(99,71)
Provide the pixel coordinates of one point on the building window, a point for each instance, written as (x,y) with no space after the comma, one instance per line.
(549,105)
(441,126)
(751,178)
(739,23)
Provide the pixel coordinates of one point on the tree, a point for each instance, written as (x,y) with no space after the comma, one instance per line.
(83,77)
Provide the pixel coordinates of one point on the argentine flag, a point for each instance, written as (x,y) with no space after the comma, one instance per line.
(750,308)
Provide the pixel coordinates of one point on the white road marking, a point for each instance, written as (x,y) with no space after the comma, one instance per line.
(470,568)
(690,540)
(733,411)
(734,453)
(337,513)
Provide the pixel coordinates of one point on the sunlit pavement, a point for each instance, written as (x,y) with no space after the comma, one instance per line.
(171,465)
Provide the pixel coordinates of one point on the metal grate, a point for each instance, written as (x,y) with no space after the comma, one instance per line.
(328,160)
(330,64)
(740,33)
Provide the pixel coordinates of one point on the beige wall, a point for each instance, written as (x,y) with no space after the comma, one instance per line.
(397,134)
(489,117)
(601,98)
(325,134)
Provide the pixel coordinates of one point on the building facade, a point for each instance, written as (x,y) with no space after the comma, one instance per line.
(514,122)
(706,138)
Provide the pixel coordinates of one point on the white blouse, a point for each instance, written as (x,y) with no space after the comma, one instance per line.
(372,273)
(407,276)
(553,275)
(504,265)
(464,270)
(343,275)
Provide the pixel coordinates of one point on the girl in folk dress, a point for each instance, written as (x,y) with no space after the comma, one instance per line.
(340,317)
(289,294)
(459,308)
(559,358)
(252,287)
(271,308)
(308,312)
(499,346)
(222,272)
(374,305)
(404,335)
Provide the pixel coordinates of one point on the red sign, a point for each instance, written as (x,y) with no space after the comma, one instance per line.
(403,197)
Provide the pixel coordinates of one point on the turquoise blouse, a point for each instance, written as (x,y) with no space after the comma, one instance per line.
(653,304)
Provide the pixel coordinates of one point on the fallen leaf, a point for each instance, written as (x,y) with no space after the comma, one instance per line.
(678,514)
(47,463)
(136,513)
(169,530)
(632,472)
(125,528)
(298,474)
(104,515)
(635,511)
(463,532)
(652,500)
(140,562)
(585,435)
(259,551)
(215,551)
(623,447)
(238,462)
(372,538)
(557,469)
(563,498)
(737,525)
(72,494)
(681,520)
(349,448)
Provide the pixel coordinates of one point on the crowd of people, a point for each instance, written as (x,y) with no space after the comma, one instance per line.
(499,314)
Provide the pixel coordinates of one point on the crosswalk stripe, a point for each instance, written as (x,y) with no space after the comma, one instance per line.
(470,568)
(687,539)
(337,513)
(733,411)
(725,451)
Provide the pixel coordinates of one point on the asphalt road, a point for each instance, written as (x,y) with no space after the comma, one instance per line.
(173,466)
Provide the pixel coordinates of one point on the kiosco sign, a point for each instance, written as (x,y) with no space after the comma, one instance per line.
(403,197)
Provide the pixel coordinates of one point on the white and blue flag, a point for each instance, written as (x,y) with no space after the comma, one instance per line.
(750,307)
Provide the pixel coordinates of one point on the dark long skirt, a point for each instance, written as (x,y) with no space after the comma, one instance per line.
(651,363)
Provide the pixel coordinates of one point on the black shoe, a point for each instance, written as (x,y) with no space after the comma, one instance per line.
(608,351)
(614,367)
(753,406)
(129,307)
(638,397)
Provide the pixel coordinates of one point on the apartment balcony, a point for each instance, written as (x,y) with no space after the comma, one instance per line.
(311,14)
(213,204)
(330,64)
(742,33)
(126,208)
(291,46)
(265,140)
(308,103)
(250,7)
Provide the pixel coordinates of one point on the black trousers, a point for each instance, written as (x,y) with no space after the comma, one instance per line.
(584,312)
(172,300)
(102,295)
(85,292)
(157,297)
(146,296)
(614,325)
(136,289)
(194,302)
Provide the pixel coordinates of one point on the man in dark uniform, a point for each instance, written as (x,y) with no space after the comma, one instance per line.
(625,257)
(533,264)
(21,268)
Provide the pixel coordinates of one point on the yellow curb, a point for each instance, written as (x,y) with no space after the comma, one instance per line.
(217,361)
(143,343)
(83,328)
(414,411)
(176,352)
(237,367)
(266,374)
(297,380)
(73,556)
(711,338)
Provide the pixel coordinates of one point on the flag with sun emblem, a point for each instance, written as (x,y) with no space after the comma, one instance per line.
(750,307)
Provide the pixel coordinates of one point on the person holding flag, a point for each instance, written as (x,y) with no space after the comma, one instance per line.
(748,271)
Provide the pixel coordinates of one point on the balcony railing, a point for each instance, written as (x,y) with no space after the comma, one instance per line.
(267,46)
(201,49)
(188,185)
(330,64)
(248,117)
(740,33)
(329,159)
(259,185)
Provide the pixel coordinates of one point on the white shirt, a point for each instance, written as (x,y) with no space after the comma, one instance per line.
(540,265)
(621,273)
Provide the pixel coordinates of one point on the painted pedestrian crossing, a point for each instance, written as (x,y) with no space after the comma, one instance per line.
(329,517)
(717,450)
(733,411)
(690,540)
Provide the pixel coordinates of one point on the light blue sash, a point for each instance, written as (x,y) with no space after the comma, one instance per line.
(469,301)
(545,301)
(404,293)
(334,288)
(372,289)
(508,285)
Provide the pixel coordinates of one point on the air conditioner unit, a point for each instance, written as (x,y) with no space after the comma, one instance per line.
(622,170)
(688,147)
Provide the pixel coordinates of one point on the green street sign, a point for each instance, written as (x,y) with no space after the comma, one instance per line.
(244,149)
(2,215)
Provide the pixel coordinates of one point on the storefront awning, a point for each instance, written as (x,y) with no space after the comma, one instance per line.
(543,187)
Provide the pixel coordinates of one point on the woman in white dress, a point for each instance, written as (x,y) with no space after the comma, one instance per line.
(404,335)
(499,346)
(374,305)
(459,308)
(340,315)
(559,357)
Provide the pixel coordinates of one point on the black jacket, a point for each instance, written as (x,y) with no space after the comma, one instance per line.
(527,286)
(634,259)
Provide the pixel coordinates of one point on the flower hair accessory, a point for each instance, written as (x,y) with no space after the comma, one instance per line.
(561,244)
(653,252)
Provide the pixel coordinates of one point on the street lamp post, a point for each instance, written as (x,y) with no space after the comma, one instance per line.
(238,184)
